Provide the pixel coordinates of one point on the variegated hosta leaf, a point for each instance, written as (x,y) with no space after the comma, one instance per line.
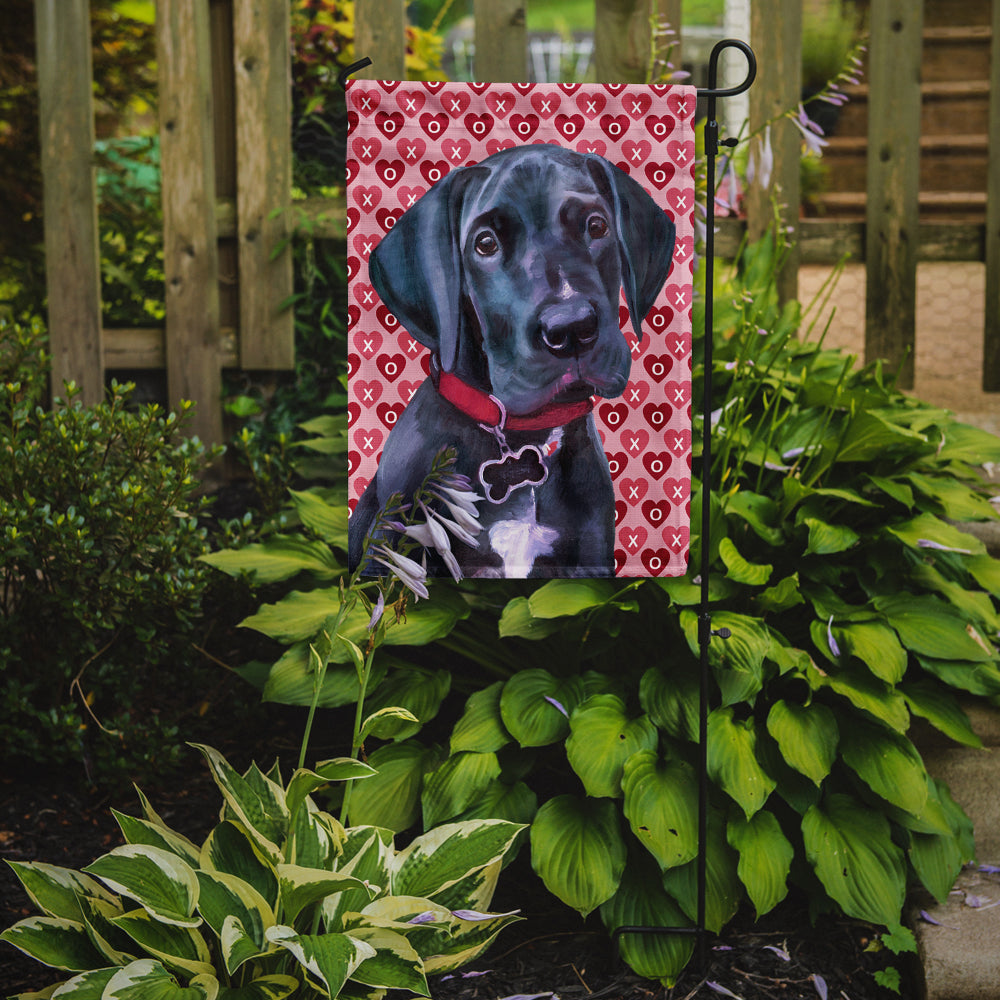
(177,947)
(328,959)
(149,980)
(367,854)
(158,880)
(481,727)
(141,831)
(661,799)
(304,782)
(98,915)
(578,851)
(732,760)
(466,941)
(642,902)
(225,897)
(275,987)
(315,838)
(723,889)
(395,964)
(441,857)
(301,887)
(765,858)
(888,763)
(850,847)
(602,737)
(230,849)
(515,803)
(418,691)
(535,706)
(807,736)
(54,941)
(86,986)
(476,890)
(256,801)
(56,891)
(456,785)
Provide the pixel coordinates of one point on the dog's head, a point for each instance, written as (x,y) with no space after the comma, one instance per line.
(510,271)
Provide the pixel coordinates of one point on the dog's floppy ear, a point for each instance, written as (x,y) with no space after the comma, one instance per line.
(645,237)
(417,267)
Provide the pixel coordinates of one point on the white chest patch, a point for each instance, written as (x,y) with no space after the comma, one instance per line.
(519,543)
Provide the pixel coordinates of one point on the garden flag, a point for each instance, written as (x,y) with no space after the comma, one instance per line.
(520,261)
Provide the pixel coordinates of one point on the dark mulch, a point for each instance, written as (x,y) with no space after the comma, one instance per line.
(551,952)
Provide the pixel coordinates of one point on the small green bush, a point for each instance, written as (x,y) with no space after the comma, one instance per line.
(99,578)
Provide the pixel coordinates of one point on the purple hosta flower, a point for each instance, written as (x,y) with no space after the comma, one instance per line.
(820,984)
(927,543)
(834,648)
(727,199)
(377,612)
(410,573)
(990,869)
(531,996)
(427,917)
(760,165)
(719,988)
(812,134)
(558,705)
(780,952)
(475,915)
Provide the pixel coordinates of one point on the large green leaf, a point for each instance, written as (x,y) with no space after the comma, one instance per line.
(535,706)
(732,760)
(329,959)
(640,901)
(976,678)
(870,435)
(560,598)
(876,646)
(602,738)
(739,569)
(661,800)
(827,539)
(147,979)
(442,857)
(456,785)
(163,884)
(518,621)
(723,889)
(864,691)
(807,736)
(932,628)
(516,803)
(230,849)
(578,851)
(765,858)
(672,700)
(327,520)
(927,531)
(957,501)
(179,948)
(304,782)
(279,558)
(888,763)
(54,941)
(391,798)
(738,660)
(291,680)
(418,690)
(301,887)
(481,728)
(851,850)
(941,709)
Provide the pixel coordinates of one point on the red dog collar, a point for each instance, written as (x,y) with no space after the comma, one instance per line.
(484,409)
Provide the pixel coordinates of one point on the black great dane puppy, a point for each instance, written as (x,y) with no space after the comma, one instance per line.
(510,271)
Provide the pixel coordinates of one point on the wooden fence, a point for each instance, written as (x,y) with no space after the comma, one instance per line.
(226,160)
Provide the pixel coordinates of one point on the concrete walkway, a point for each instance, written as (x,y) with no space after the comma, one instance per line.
(959,945)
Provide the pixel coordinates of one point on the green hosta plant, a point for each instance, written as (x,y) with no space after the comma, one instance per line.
(279,900)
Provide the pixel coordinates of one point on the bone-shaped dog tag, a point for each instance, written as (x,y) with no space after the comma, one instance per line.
(501,476)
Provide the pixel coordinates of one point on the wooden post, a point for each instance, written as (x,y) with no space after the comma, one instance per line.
(380,34)
(622,40)
(72,255)
(190,253)
(262,61)
(776,34)
(991,332)
(893,184)
(501,41)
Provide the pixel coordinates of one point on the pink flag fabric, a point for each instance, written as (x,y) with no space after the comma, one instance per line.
(520,261)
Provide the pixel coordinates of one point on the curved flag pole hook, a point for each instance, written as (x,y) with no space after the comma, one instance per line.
(347,71)
(705,631)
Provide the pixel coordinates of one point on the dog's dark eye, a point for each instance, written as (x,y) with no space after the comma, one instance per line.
(487,244)
(597,226)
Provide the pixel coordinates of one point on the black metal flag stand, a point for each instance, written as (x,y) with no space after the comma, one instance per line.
(705,631)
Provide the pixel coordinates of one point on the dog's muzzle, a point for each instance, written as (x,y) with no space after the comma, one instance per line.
(568,328)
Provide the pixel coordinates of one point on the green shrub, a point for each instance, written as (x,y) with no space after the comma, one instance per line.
(101,584)
(279,900)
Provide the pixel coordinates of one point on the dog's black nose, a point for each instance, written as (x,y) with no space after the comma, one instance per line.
(568,328)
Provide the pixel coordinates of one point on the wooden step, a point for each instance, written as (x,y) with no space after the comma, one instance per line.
(946,104)
(945,12)
(956,53)
(957,206)
(947,163)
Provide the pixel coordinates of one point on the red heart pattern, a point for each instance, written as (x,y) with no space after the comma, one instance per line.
(404,138)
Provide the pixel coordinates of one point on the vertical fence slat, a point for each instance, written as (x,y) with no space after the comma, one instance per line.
(190,253)
(380,34)
(667,14)
(991,332)
(893,183)
(72,256)
(621,40)
(261,57)
(501,41)
(776,34)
